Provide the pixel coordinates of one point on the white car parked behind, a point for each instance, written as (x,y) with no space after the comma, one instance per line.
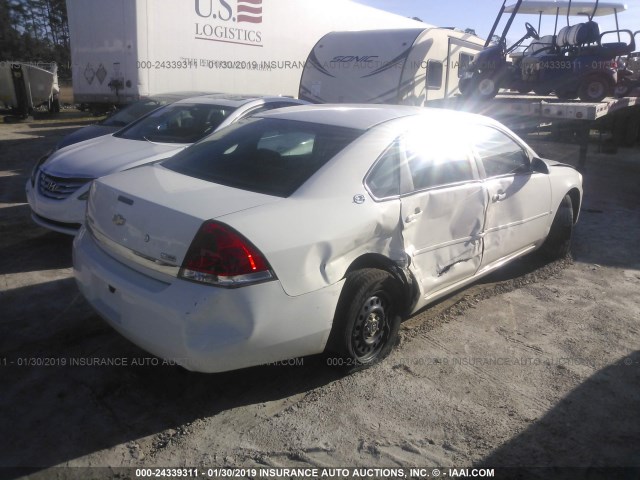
(314,229)
(59,183)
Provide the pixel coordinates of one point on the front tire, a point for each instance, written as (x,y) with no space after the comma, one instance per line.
(487,87)
(367,320)
(558,242)
(480,87)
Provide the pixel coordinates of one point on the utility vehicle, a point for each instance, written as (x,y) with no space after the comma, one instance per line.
(576,61)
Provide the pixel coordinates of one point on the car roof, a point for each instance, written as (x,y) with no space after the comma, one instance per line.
(174,96)
(231,100)
(364,116)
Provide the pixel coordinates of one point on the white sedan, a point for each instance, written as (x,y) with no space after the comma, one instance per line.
(59,183)
(314,229)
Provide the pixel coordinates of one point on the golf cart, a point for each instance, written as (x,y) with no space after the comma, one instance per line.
(574,62)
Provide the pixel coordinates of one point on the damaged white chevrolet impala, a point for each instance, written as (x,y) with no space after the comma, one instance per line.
(314,229)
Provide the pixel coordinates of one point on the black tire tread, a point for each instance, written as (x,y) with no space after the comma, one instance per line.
(583,90)
(558,242)
(357,284)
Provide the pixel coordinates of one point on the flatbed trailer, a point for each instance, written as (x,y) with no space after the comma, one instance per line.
(528,113)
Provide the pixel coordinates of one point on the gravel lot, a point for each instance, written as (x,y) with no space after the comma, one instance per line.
(538,365)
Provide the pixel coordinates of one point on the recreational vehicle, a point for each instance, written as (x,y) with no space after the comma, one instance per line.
(394,66)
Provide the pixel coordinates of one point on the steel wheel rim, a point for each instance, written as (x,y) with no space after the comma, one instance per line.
(371,328)
(486,86)
(595,89)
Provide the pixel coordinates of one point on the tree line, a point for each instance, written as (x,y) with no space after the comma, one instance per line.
(35,31)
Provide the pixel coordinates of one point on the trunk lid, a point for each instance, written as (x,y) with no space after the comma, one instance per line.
(150,215)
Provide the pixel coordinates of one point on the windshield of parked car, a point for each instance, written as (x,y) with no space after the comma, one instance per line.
(130,113)
(264,155)
(177,123)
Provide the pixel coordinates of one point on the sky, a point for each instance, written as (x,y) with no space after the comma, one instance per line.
(480,15)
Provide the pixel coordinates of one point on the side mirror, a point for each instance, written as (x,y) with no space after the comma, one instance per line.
(539,166)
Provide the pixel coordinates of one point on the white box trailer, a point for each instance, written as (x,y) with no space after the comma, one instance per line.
(125,49)
(397,66)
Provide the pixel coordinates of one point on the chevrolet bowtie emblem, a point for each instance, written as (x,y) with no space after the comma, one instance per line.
(119,220)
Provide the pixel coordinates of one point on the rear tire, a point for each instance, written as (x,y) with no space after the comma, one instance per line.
(622,91)
(593,89)
(558,242)
(367,320)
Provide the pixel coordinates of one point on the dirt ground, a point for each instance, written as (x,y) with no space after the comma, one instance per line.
(536,366)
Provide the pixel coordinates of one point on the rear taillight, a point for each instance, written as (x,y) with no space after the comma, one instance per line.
(220,256)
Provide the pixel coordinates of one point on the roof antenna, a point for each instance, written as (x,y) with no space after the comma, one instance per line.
(568,12)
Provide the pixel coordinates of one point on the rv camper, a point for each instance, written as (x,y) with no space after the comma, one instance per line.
(408,66)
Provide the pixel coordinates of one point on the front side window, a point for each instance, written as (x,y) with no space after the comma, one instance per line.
(264,155)
(437,158)
(178,123)
(499,153)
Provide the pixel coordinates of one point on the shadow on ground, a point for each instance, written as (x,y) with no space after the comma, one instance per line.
(583,419)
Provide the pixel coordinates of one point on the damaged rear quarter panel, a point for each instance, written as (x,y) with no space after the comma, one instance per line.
(311,238)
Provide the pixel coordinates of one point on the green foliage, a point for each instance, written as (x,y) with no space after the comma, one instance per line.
(35,31)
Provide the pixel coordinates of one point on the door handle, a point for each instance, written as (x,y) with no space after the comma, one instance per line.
(498,197)
(412,217)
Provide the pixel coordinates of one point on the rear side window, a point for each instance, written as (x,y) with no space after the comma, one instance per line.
(384,179)
(264,155)
(499,153)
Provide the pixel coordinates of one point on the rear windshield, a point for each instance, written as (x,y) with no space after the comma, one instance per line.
(271,156)
(178,123)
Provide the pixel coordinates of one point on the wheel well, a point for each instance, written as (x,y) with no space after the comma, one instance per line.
(402,275)
(574,193)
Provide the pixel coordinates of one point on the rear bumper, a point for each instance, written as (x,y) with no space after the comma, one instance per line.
(200,327)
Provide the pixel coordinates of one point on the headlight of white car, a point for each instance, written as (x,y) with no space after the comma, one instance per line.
(39,163)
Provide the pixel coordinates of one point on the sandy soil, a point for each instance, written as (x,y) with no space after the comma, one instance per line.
(538,365)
